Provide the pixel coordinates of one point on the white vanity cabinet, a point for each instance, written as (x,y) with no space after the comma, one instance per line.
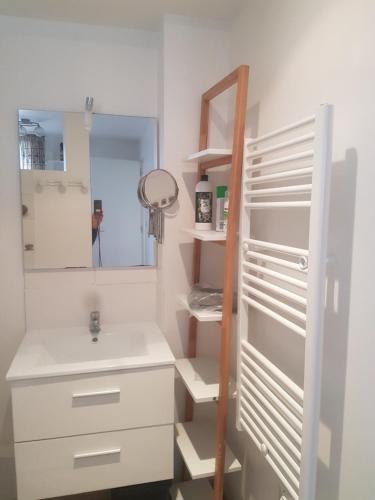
(96,430)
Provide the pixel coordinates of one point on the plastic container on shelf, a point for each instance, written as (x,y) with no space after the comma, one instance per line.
(226,210)
(220,199)
(203,204)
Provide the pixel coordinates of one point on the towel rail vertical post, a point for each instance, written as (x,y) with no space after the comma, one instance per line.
(316,301)
(259,391)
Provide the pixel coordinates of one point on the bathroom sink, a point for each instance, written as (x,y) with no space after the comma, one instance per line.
(66,351)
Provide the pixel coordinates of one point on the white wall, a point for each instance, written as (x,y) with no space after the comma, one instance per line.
(54,66)
(67,298)
(302,54)
(195,56)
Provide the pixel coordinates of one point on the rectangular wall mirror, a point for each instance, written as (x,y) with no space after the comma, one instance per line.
(79,189)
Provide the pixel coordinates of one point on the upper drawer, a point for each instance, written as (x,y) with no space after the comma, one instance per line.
(67,406)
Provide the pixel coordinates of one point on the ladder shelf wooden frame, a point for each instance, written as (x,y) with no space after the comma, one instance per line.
(238,77)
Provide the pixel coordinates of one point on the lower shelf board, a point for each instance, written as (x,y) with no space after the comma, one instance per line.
(201,377)
(196,442)
(192,490)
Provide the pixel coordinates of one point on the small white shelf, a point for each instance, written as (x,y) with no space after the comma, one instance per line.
(209,154)
(196,442)
(192,490)
(206,235)
(201,378)
(200,314)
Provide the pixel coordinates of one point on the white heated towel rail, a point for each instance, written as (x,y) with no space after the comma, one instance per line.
(288,169)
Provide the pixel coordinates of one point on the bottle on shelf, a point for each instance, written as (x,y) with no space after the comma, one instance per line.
(226,210)
(220,199)
(203,204)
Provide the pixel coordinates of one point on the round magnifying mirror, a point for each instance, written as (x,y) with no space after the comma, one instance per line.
(159,189)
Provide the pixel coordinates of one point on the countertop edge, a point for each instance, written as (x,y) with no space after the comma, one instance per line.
(71,373)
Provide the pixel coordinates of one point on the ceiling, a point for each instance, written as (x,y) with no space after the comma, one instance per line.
(141,14)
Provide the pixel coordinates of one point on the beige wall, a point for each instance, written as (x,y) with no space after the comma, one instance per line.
(195,56)
(302,54)
(53,66)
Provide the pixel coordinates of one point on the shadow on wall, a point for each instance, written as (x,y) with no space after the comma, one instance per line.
(252,117)
(340,245)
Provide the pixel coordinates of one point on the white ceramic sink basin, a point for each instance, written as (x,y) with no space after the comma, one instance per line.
(66,351)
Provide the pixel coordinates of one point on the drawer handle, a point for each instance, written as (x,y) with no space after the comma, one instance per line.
(107,392)
(91,454)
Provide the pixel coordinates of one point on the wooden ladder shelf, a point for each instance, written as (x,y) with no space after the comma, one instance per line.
(207,158)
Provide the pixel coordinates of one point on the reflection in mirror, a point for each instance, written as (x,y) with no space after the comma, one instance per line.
(61,229)
(122,149)
(55,179)
(41,142)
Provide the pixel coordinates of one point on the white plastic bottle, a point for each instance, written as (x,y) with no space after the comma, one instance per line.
(226,210)
(203,204)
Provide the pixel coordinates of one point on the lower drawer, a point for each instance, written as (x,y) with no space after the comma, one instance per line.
(64,466)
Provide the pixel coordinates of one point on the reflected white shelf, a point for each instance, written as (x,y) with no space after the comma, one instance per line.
(192,490)
(196,442)
(200,314)
(201,378)
(206,235)
(209,155)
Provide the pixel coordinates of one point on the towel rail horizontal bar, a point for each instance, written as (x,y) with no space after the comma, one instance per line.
(277,317)
(297,391)
(298,188)
(274,384)
(272,397)
(271,437)
(277,303)
(301,252)
(287,174)
(271,462)
(276,289)
(274,274)
(251,389)
(281,145)
(282,130)
(275,260)
(271,450)
(278,204)
(271,424)
(309,153)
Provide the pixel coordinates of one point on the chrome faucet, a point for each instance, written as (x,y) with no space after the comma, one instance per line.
(95,322)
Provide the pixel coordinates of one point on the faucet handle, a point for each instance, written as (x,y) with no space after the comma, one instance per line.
(95,315)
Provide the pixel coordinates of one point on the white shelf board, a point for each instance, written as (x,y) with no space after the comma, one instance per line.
(206,235)
(201,378)
(200,314)
(196,442)
(209,154)
(192,490)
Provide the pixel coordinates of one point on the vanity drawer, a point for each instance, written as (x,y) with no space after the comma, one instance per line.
(68,406)
(77,464)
